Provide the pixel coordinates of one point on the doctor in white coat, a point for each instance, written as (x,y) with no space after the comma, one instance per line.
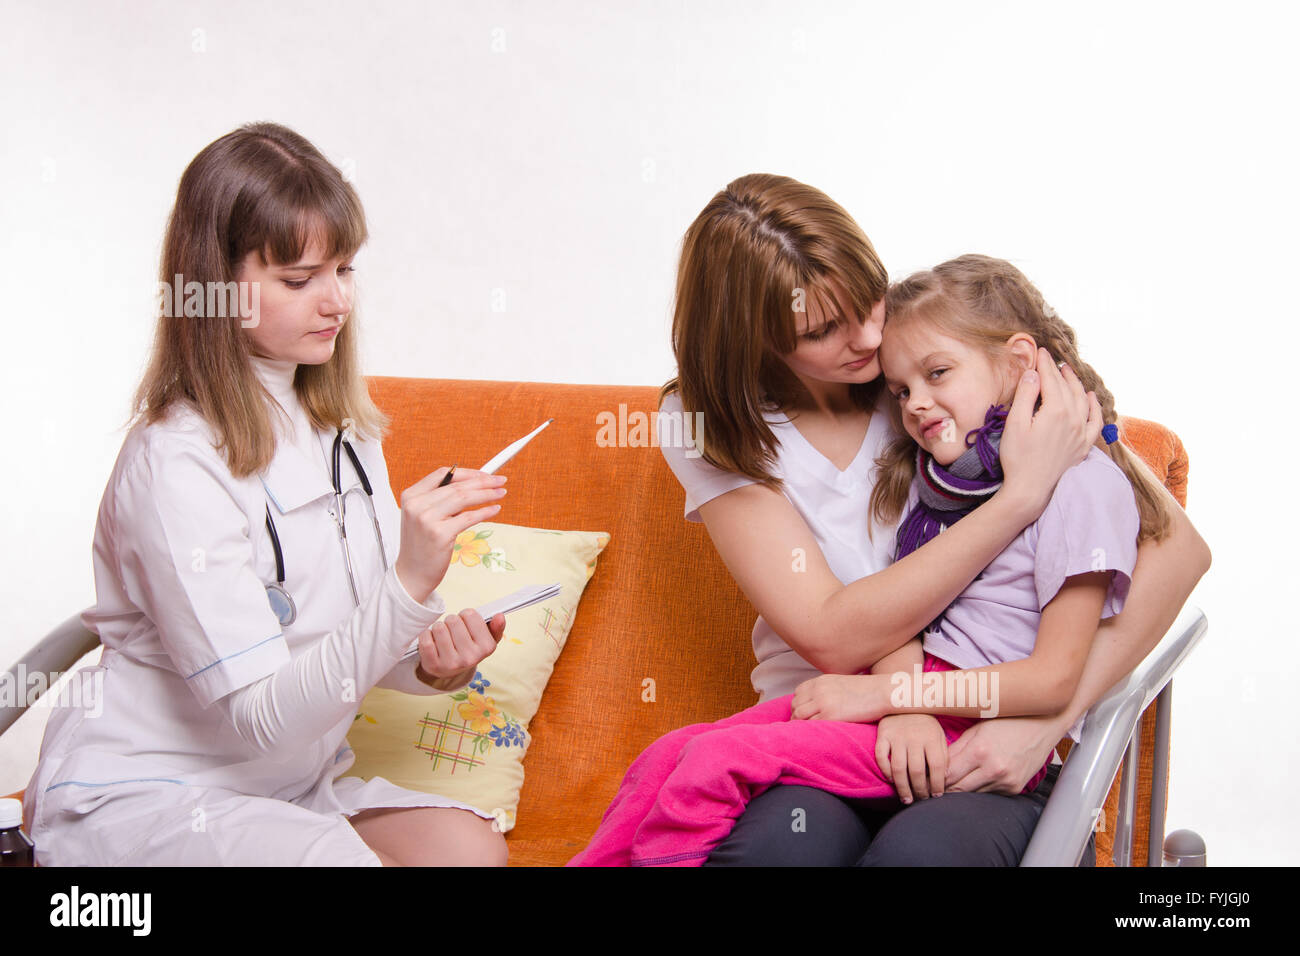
(213,728)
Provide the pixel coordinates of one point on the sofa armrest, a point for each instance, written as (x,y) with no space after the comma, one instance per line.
(1062,832)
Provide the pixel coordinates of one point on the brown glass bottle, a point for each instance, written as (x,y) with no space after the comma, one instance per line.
(16,847)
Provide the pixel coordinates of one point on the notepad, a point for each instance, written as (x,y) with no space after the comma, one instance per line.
(524,597)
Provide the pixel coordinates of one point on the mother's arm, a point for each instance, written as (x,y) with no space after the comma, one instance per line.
(838,628)
(844,628)
(1001,755)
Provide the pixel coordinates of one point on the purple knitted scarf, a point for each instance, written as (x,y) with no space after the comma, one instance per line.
(949,494)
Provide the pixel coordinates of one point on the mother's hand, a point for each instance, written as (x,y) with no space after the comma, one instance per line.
(1038,447)
(1000,755)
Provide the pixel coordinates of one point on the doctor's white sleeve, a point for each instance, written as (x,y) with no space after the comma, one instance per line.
(301,701)
(403,678)
(185,558)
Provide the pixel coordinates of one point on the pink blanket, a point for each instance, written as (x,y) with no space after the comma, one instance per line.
(682,796)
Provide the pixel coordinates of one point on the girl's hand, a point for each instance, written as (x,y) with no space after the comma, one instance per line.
(459,642)
(856,698)
(908,744)
(1038,447)
(432,517)
(1000,755)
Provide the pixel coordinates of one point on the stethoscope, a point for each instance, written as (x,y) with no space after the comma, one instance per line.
(278,595)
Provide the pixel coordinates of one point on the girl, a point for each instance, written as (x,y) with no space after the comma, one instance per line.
(957,339)
(952,337)
(241,613)
(777,326)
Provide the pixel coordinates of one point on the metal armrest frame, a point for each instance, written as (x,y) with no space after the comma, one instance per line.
(58,651)
(1109,735)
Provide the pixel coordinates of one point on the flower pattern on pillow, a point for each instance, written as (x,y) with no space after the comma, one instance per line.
(472,550)
(485,719)
(479,713)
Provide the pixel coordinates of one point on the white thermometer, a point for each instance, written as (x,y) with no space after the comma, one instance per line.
(513,449)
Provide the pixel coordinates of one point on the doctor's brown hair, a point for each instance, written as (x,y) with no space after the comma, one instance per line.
(265,189)
(762,246)
(982,302)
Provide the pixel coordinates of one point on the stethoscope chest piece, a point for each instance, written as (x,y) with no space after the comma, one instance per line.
(281,604)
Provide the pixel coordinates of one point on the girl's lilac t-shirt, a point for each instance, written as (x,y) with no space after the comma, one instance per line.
(1090,524)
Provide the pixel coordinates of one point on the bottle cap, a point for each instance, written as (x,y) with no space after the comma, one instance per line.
(11,813)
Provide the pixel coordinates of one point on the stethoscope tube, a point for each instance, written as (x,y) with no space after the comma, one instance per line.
(277,594)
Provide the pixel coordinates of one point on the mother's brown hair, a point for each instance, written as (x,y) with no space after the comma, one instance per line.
(265,189)
(761,247)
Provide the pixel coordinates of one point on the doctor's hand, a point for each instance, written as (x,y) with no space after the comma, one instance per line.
(432,517)
(459,642)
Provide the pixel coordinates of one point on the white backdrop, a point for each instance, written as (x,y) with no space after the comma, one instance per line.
(528,170)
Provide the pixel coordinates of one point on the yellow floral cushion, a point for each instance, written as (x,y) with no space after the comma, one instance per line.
(470,745)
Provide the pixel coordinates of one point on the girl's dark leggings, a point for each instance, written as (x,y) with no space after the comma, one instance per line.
(800,826)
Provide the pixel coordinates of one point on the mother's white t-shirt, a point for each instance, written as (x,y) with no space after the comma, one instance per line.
(834,504)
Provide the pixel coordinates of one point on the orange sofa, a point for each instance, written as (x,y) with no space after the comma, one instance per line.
(640,616)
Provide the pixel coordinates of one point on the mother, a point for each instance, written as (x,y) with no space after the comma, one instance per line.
(778,318)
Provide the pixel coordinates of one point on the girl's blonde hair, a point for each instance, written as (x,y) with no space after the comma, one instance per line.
(761,247)
(264,189)
(982,302)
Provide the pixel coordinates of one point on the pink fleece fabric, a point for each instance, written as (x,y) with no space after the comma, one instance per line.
(683,794)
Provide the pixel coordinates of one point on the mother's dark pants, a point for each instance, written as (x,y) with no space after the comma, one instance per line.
(800,826)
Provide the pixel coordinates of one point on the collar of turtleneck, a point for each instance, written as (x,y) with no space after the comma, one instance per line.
(277,376)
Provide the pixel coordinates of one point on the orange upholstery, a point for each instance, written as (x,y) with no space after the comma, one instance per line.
(642,616)
(662,634)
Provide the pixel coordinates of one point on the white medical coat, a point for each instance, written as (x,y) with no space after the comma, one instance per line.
(149,769)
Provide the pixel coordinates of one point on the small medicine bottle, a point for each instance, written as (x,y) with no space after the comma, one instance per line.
(16,847)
